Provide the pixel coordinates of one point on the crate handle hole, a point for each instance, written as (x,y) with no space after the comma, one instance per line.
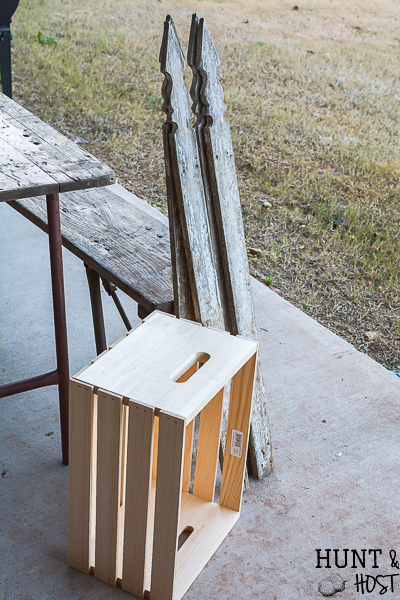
(186,370)
(186,533)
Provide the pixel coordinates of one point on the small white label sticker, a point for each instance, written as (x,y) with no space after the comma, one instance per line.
(237,443)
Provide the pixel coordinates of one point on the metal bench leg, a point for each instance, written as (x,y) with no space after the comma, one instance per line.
(142,312)
(5,59)
(112,291)
(60,321)
(97,309)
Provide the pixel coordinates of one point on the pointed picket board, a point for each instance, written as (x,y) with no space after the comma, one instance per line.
(201,121)
(188,183)
(197,273)
(219,173)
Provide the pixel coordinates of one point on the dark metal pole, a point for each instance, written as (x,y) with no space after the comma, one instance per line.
(9,389)
(112,291)
(97,309)
(60,321)
(121,311)
(5,59)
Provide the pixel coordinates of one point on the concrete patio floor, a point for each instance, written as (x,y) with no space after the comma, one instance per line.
(335,423)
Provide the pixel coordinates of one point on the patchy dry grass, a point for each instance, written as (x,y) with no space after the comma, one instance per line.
(313,98)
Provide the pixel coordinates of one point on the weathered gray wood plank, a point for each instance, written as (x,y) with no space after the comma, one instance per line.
(59,160)
(188,184)
(124,244)
(216,144)
(75,159)
(19,177)
(183,300)
(31,147)
(201,122)
(185,163)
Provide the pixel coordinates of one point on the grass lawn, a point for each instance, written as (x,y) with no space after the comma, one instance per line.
(313,99)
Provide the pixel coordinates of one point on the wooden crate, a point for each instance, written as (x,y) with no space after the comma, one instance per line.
(131,435)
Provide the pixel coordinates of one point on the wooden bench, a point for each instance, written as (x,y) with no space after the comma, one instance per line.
(121,239)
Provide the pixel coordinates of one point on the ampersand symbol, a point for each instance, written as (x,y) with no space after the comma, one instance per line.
(395,563)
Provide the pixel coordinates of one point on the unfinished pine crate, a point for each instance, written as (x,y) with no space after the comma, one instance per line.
(132,520)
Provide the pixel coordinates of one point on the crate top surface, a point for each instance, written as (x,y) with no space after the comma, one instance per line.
(145,365)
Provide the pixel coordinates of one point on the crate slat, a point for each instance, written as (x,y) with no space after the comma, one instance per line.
(80,476)
(108,513)
(208,448)
(187,463)
(238,420)
(138,483)
(171,443)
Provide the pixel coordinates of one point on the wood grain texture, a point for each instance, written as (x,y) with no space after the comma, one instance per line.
(201,122)
(166,346)
(121,242)
(19,177)
(171,440)
(211,524)
(155,448)
(138,486)
(158,361)
(189,189)
(239,420)
(80,523)
(36,159)
(183,300)
(207,448)
(108,509)
(195,203)
(225,216)
(187,464)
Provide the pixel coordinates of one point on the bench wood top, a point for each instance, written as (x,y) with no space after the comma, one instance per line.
(36,159)
(122,238)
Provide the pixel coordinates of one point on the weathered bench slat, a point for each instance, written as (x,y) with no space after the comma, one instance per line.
(68,167)
(65,161)
(20,176)
(124,244)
